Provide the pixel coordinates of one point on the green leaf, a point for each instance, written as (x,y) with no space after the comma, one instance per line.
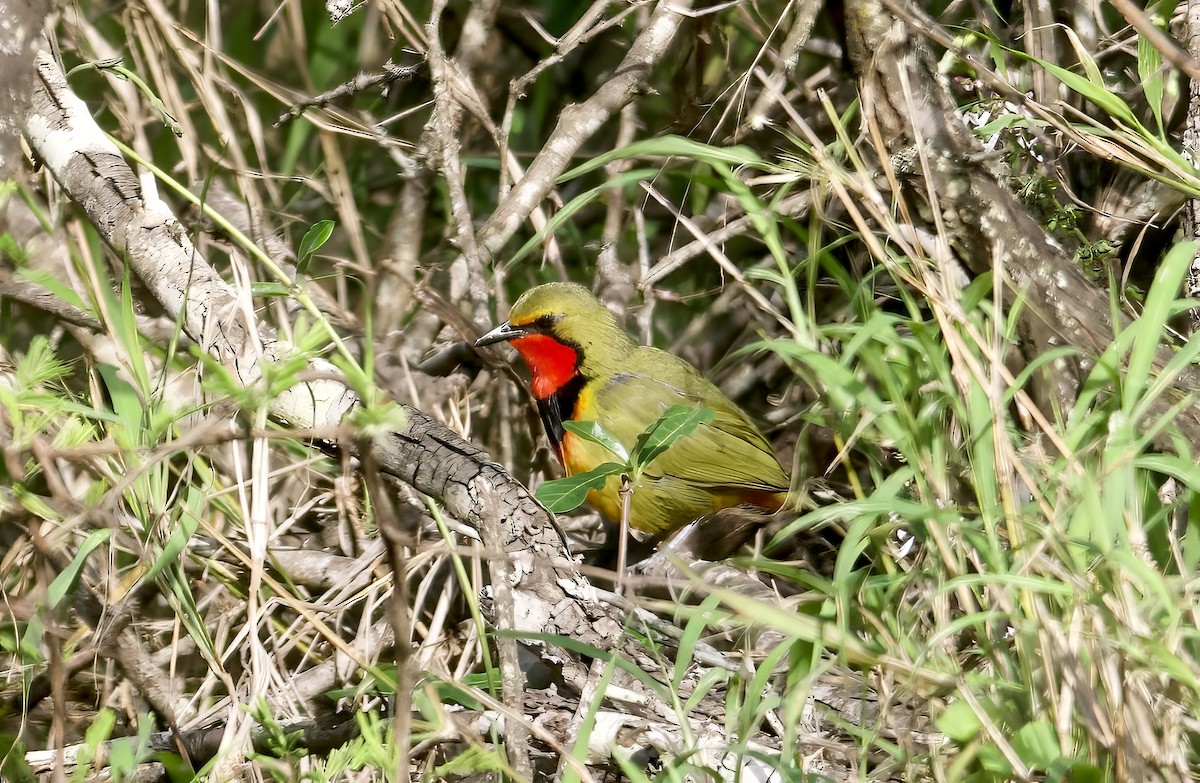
(677,422)
(39,366)
(63,583)
(592,431)
(126,753)
(670,147)
(1090,68)
(55,286)
(1168,278)
(270,289)
(1150,73)
(1078,772)
(177,769)
(97,733)
(1096,93)
(9,247)
(126,404)
(313,240)
(29,643)
(574,205)
(187,521)
(35,504)
(567,494)
(126,332)
(1037,744)
(959,722)
(448,692)
(179,597)
(994,761)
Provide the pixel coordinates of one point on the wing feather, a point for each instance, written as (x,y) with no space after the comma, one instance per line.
(729,453)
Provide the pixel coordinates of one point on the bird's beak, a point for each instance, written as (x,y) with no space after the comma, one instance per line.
(501,334)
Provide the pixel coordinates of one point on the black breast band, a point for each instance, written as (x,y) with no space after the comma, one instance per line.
(558,407)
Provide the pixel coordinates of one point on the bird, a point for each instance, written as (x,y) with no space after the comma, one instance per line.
(584,367)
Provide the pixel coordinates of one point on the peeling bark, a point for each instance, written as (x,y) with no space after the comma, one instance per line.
(1190,226)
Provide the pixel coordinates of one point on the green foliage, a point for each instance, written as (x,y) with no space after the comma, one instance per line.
(676,422)
(314,239)
(97,733)
(65,581)
(12,760)
(12,251)
(115,67)
(474,760)
(567,494)
(284,750)
(592,431)
(379,420)
(126,753)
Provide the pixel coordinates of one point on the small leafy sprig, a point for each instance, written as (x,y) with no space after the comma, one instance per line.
(567,494)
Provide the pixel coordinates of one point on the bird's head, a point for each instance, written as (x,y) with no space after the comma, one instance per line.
(561,330)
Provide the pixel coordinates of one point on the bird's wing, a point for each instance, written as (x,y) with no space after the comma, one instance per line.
(729,452)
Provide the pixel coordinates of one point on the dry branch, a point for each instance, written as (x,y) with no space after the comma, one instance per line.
(578,123)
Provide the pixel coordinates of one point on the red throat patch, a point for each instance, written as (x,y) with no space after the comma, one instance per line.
(551,363)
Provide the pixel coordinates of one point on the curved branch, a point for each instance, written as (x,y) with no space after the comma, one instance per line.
(580,122)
